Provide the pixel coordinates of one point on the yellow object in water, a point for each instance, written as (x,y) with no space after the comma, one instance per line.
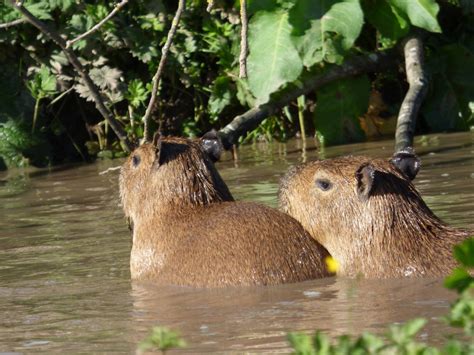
(332,264)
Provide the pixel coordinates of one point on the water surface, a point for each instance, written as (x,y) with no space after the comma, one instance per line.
(64,251)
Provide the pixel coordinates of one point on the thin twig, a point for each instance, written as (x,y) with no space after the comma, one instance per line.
(418,81)
(12,23)
(98,25)
(248,121)
(243,39)
(105,112)
(210,5)
(161,65)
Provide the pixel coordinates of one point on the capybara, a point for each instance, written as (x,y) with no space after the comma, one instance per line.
(370,217)
(188,230)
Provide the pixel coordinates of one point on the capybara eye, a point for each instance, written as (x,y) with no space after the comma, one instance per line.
(136,160)
(323,184)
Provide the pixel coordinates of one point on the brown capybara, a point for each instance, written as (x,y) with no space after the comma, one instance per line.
(188,230)
(370,217)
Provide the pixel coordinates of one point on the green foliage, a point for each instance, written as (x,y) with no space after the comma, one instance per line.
(18,146)
(200,88)
(162,339)
(340,104)
(325,30)
(422,13)
(401,339)
(452,91)
(387,19)
(273,59)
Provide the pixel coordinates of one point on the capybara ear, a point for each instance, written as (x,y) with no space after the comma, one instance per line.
(212,145)
(407,162)
(365,176)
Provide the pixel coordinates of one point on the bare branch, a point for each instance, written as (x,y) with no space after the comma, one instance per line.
(161,65)
(105,112)
(210,5)
(98,25)
(243,39)
(418,81)
(12,23)
(248,121)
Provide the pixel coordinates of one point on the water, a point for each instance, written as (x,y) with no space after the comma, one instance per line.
(65,283)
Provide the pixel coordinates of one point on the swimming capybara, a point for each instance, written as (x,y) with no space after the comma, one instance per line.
(188,230)
(370,217)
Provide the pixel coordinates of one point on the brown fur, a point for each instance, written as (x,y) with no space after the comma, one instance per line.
(373,224)
(187,230)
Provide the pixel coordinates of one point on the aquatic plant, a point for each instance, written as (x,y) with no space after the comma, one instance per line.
(162,339)
(401,339)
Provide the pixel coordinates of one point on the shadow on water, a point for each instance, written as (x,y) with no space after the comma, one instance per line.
(64,273)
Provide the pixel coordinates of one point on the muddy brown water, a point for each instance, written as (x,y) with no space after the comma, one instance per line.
(64,251)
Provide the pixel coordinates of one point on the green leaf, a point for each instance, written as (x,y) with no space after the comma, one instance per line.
(321,343)
(464,252)
(48,81)
(43,83)
(63,5)
(221,95)
(301,344)
(325,30)
(106,77)
(389,21)
(273,59)
(339,106)
(459,279)
(40,10)
(136,93)
(162,339)
(447,105)
(422,13)
(403,334)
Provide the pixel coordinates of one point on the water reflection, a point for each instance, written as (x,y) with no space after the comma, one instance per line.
(64,249)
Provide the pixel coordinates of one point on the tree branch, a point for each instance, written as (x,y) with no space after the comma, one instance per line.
(243,39)
(105,112)
(12,23)
(250,120)
(98,25)
(418,81)
(161,65)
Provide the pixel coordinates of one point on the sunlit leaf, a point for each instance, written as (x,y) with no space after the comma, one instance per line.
(325,30)
(464,252)
(106,77)
(273,59)
(459,279)
(422,13)
(387,19)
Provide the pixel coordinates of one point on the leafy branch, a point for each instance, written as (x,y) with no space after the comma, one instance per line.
(355,66)
(98,25)
(72,58)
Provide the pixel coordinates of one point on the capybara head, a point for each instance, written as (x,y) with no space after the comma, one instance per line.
(356,206)
(172,171)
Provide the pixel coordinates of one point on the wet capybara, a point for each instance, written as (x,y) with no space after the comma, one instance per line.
(188,230)
(370,217)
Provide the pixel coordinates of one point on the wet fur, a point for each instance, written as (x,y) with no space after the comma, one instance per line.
(187,229)
(383,230)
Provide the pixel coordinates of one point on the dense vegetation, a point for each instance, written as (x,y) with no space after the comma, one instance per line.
(47,114)
(400,339)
